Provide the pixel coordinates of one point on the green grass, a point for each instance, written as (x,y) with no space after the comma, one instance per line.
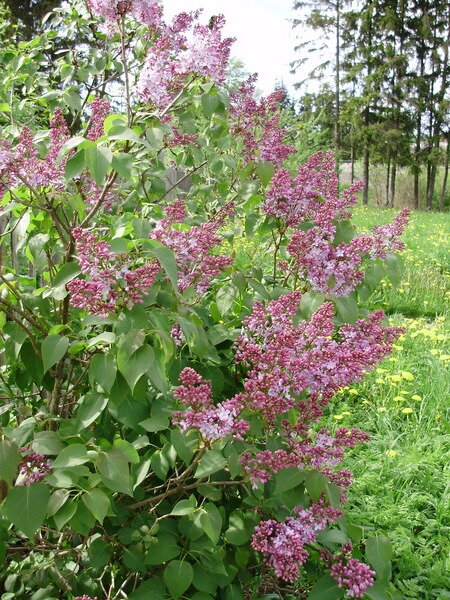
(425,288)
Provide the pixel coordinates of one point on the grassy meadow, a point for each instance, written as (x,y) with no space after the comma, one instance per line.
(402,477)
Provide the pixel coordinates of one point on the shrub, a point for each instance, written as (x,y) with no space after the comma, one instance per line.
(161,427)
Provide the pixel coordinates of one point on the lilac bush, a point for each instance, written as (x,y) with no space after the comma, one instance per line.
(162,435)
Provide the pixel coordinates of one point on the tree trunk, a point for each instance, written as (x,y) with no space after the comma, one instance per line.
(352,171)
(366,167)
(417,160)
(392,187)
(444,183)
(388,179)
(337,125)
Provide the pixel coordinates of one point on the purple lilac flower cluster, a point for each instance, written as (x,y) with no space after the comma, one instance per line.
(320,451)
(145,11)
(192,247)
(34,467)
(283,544)
(85,598)
(184,49)
(299,366)
(23,164)
(257,123)
(100,110)
(349,572)
(313,196)
(288,359)
(213,421)
(113,282)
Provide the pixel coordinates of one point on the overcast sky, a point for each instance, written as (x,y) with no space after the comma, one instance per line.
(264,37)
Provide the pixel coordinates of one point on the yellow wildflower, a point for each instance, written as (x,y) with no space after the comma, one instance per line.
(407,375)
(407,411)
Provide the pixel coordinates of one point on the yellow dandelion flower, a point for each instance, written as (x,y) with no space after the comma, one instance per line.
(393,359)
(365,402)
(379,380)
(407,375)
(353,392)
(435,351)
(416,397)
(396,378)
(444,357)
(379,370)
(338,417)
(346,413)
(407,411)
(382,409)
(404,392)
(391,453)
(398,399)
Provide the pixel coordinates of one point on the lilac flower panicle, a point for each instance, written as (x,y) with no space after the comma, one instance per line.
(257,124)
(213,421)
(283,544)
(183,50)
(349,572)
(313,196)
(100,110)
(111,282)
(193,247)
(34,467)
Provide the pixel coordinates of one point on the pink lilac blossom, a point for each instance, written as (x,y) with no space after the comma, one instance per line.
(183,50)
(349,572)
(144,11)
(385,238)
(328,268)
(113,281)
(100,110)
(286,360)
(34,467)
(320,451)
(282,544)
(22,163)
(85,598)
(213,421)
(183,139)
(177,335)
(257,123)
(192,247)
(312,197)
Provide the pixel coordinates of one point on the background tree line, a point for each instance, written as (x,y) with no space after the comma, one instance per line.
(388,103)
